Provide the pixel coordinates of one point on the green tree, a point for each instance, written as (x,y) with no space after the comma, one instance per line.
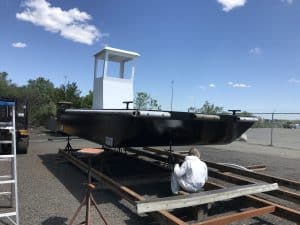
(141,100)
(153,104)
(4,82)
(44,88)
(144,101)
(7,88)
(40,94)
(192,109)
(73,94)
(207,108)
(87,101)
(43,96)
(69,92)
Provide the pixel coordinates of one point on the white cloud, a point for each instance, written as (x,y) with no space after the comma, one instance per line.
(238,85)
(205,87)
(19,45)
(256,51)
(71,24)
(231,4)
(241,85)
(293,80)
(288,1)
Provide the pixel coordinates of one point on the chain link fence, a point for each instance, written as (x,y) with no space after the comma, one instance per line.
(276,129)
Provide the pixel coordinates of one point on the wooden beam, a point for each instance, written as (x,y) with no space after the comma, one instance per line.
(280,210)
(135,156)
(283,194)
(176,202)
(238,216)
(256,167)
(264,177)
(146,154)
(162,152)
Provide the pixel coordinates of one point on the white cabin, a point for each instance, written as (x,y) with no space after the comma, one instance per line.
(111,90)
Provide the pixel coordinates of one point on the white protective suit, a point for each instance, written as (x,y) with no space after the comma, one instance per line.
(190,176)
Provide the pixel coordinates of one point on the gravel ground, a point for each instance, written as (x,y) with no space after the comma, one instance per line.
(50,189)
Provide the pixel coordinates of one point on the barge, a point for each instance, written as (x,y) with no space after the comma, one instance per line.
(138,128)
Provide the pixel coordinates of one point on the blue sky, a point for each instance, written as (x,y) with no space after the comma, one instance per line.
(234,53)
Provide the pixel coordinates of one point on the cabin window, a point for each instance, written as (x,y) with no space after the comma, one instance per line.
(113,69)
(99,69)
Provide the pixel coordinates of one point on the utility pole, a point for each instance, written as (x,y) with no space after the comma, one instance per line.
(271,142)
(172,87)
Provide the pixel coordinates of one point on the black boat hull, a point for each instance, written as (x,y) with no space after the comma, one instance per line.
(130,128)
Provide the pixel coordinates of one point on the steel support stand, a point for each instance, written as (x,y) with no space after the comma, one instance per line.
(88,201)
(68,147)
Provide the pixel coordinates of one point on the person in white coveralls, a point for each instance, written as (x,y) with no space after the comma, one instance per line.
(191,175)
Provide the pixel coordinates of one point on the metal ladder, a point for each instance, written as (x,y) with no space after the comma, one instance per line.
(13,214)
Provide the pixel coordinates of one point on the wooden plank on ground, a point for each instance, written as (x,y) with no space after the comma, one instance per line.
(175,202)
(259,176)
(280,210)
(147,154)
(256,167)
(221,220)
(280,193)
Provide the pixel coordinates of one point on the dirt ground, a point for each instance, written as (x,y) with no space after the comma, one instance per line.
(50,189)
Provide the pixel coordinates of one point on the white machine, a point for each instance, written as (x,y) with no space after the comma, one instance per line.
(110,91)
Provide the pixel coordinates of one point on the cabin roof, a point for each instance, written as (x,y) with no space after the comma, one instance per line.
(116,55)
